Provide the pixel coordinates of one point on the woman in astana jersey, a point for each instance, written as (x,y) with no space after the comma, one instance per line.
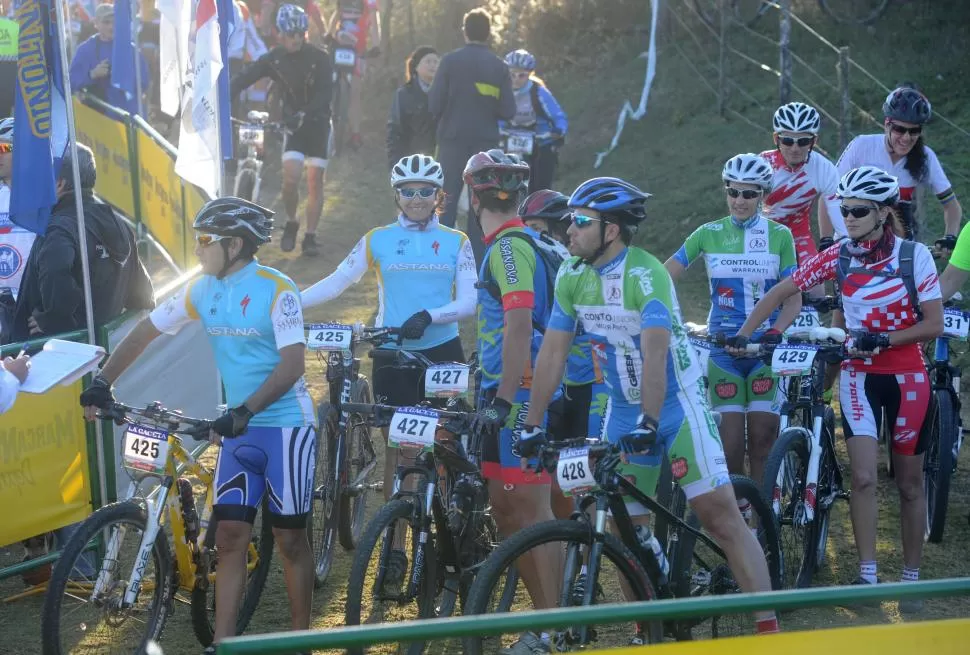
(746,255)
(900,150)
(887,317)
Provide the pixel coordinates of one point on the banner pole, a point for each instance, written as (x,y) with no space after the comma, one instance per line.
(134,30)
(62,26)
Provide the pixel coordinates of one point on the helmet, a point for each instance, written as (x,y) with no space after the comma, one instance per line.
(748,168)
(612,196)
(6,130)
(796,117)
(545,203)
(496,171)
(291,19)
(869,183)
(417,168)
(907,105)
(235,217)
(521,59)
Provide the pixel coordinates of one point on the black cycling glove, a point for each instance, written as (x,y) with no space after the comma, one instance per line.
(98,394)
(417,323)
(233,423)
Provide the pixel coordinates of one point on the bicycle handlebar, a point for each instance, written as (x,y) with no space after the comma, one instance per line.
(174,420)
(823,304)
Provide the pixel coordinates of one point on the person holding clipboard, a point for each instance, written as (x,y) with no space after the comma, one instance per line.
(13,373)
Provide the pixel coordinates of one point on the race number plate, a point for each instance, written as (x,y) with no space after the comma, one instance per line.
(446,380)
(573,471)
(793,360)
(805,321)
(521,144)
(413,426)
(329,336)
(703,350)
(251,135)
(344,57)
(956,323)
(145,448)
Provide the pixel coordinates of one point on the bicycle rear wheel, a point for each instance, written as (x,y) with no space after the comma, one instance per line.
(938,464)
(788,464)
(854,12)
(323,517)
(359,456)
(73,621)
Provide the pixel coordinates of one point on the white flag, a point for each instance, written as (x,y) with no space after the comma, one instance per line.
(198,154)
(174,29)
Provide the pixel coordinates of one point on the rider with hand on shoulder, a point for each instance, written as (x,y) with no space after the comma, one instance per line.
(887,317)
(746,255)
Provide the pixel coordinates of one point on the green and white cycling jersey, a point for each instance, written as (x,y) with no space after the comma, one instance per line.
(614,303)
(961,253)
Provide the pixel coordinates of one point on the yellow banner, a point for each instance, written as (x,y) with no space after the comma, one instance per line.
(44,481)
(108,139)
(161,196)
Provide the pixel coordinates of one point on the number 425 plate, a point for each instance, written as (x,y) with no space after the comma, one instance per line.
(329,336)
(145,448)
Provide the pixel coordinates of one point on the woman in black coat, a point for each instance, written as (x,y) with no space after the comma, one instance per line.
(411,128)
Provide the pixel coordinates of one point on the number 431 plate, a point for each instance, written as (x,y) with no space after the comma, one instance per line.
(956,324)
(789,359)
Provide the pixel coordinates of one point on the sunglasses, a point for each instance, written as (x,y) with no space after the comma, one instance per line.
(423,192)
(206,240)
(899,129)
(5,148)
(747,194)
(520,76)
(582,220)
(856,212)
(802,141)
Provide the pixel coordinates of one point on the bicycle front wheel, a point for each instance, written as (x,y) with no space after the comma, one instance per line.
(938,464)
(786,476)
(75,618)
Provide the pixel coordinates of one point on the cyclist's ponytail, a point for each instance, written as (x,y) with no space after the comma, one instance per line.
(895,222)
(916,161)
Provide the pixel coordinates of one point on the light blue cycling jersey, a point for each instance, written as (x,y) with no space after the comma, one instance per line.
(430,267)
(249,317)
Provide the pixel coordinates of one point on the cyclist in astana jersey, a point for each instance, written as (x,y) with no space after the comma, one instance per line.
(357,24)
(746,255)
(254,321)
(802,179)
(304,75)
(958,270)
(513,308)
(887,376)
(900,151)
(625,300)
(425,281)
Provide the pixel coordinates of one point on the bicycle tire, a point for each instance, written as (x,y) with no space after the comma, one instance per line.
(199,608)
(247,184)
(509,550)
(126,511)
(341,116)
(395,510)
(489,529)
(828,479)
(323,516)
(359,446)
(792,441)
(938,466)
(866,18)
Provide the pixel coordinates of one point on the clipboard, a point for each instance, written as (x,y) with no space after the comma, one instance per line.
(61,362)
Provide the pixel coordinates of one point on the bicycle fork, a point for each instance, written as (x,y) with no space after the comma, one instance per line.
(417,571)
(811,479)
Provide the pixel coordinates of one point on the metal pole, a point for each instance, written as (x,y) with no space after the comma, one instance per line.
(784,82)
(722,63)
(845,115)
(64,29)
(133,30)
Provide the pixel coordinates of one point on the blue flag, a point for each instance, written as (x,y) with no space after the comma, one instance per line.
(123,59)
(226,17)
(40,115)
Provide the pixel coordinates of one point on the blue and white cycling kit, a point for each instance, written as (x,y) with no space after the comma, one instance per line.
(249,317)
(419,267)
(552,119)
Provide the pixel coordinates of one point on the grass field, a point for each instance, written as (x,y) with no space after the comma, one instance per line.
(676,153)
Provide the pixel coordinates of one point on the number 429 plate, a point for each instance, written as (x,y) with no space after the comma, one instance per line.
(789,359)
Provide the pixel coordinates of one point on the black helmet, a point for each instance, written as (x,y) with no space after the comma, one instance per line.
(907,105)
(235,217)
(545,203)
(496,171)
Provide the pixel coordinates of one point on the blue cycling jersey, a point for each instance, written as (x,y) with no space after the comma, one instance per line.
(249,317)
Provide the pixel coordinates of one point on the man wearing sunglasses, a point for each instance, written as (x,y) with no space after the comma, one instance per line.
(802,179)
(625,300)
(254,320)
(901,151)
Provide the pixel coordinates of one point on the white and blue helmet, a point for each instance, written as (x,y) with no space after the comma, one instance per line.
(521,58)
(291,19)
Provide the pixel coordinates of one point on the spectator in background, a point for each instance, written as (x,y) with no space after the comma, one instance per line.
(13,373)
(91,66)
(411,127)
(471,92)
(51,299)
(9,30)
(15,241)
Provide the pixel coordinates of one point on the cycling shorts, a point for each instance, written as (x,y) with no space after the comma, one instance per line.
(278,462)
(741,384)
(583,408)
(309,144)
(688,435)
(905,398)
(500,457)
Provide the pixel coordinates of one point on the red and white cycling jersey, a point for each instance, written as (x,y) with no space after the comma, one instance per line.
(877,304)
(870,150)
(793,194)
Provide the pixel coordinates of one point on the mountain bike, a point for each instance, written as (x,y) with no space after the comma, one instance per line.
(521,141)
(249,170)
(946,432)
(343,59)
(692,564)
(422,550)
(747,12)
(111,606)
(803,477)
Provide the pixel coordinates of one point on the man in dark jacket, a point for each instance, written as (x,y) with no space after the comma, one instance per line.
(472,91)
(51,299)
